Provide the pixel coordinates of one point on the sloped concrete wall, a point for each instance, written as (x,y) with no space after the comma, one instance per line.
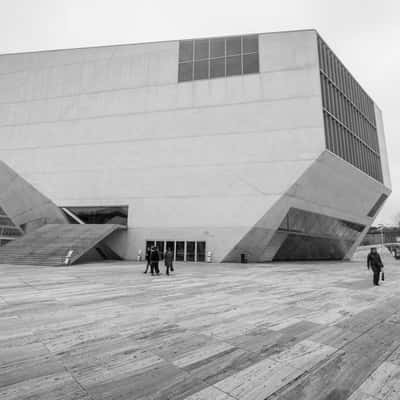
(25,205)
(330,186)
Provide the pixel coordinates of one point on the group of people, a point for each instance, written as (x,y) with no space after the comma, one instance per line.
(153,259)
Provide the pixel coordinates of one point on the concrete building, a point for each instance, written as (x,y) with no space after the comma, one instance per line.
(261,147)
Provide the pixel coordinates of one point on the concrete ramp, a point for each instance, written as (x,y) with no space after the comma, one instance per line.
(59,244)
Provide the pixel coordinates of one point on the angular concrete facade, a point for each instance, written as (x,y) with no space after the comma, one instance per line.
(216,160)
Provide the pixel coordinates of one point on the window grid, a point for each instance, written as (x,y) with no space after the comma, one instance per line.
(220,64)
(349,116)
(195,252)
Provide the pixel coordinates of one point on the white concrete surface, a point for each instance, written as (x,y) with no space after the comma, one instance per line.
(201,160)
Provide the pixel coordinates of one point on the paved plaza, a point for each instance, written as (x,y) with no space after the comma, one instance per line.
(209,332)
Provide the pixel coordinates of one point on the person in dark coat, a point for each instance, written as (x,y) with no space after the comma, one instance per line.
(154,259)
(148,251)
(375,263)
(168,261)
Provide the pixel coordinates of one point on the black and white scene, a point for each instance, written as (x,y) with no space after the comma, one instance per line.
(199,200)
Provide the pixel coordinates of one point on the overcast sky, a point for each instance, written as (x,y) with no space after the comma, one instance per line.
(365,35)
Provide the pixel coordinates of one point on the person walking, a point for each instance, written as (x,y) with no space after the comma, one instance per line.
(168,261)
(148,251)
(374,262)
(154,259)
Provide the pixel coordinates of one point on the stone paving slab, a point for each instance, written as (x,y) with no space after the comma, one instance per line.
(313,331)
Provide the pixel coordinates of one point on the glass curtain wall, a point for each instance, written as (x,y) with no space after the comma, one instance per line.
(218,57)
(349,115)
(312,236)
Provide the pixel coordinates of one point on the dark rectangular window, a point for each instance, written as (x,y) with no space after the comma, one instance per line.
(185,50)
(185,72)
(201,49)
(180,251)
(217,67)
(349,117)
(217,47)
(250,63)
(170,246)
(233,45)
(201,69)
(250,44)
(149,244)
(190,251)
(201,251)
(233,65)
(160,248)
(218,57)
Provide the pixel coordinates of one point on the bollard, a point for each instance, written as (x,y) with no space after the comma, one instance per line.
(68,257)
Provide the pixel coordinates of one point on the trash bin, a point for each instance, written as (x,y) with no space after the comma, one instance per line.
(243,258)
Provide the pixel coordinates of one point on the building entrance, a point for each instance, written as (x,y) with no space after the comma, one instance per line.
(190,251)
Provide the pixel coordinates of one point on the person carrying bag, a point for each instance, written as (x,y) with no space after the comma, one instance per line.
(374,262)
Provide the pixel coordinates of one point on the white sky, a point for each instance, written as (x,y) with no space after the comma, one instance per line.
(365,35)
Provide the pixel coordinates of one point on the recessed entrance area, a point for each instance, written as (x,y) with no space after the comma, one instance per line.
(100,214)
(190,251)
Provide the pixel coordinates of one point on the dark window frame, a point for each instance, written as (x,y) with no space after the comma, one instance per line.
(251,42)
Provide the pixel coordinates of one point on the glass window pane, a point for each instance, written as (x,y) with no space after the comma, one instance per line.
(233,65)
(186,50)
(217,47)
(180,251)
(201,69)
(170,246)
(185,72)
(201,49)
(233,45)
(201,251)
(149,244)
(217,67)
(160,247)
(250,44)
(190,254)
(250,63)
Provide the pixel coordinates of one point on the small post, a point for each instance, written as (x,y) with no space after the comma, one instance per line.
(382,227)
(68,257)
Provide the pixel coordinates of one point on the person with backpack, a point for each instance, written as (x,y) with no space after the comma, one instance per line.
(168,261)
(154,260)
(374,262)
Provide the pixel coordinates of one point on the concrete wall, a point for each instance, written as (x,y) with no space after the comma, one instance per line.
(209,160)
(198,160)
(382,147)
(26,207)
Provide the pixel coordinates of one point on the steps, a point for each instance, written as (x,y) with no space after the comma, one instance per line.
(49,244)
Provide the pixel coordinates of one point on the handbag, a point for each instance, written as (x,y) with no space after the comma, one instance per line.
(383,276)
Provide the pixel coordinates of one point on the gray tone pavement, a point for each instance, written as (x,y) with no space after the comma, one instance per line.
(210,331)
